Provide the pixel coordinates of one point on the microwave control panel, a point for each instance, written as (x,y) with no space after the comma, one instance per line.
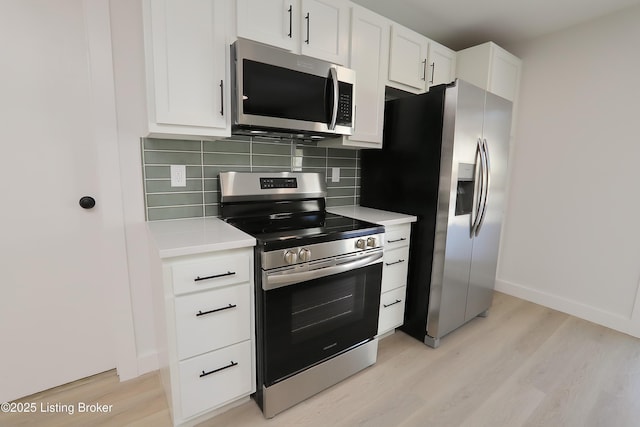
(345,101)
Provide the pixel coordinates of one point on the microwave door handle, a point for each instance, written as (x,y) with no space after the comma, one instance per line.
(487,171)
(333,74)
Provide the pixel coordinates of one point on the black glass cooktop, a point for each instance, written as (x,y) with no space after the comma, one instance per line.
(283,231)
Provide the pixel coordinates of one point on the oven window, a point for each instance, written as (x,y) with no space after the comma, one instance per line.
(311,321)
(279,92)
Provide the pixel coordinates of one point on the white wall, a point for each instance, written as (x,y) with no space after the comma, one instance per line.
(571,238)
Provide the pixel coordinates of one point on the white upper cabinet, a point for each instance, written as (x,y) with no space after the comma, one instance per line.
(441,64)
(316,28)
(408,59)
(417,63)
(273,22)
(187,57)
(492,68)
(369,57)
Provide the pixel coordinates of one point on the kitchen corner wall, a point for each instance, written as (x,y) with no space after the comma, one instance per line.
(205,159)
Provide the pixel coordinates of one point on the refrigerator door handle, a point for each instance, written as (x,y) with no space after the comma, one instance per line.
(487,182)
(479,192)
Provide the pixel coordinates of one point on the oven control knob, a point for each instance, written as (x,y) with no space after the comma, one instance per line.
(290,257)
(360,244)
(304,255)
(371,242)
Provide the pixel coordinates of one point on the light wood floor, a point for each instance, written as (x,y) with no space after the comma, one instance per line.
(524,365)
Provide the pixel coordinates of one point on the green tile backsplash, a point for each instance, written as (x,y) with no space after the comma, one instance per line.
(204,160)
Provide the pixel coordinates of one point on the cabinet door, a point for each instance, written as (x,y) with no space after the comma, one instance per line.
(408,59)
(325,30)
(504,74)
(274,22)
(441,65)
(369,59)
(187,84)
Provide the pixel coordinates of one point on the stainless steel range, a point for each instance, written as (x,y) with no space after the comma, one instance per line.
(318,278)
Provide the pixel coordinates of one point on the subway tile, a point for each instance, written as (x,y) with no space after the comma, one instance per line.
(226,146)
(170,144)
(172,158)
(340,192)
(343,182)
(315,162)
(340,201)
(343,163)
(321,171)
(342,153)
(237,153)
(263,148)
(217,159)
(156,214)
(212,210)
(211,184)
(312,151)
(164,172)
(211,197)
(213,171)
(164,186)
(177,199)
(263,160)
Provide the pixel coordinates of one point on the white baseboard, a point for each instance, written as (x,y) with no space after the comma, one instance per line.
(614,321)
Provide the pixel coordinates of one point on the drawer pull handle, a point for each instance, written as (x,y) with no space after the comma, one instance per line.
(393,303)
(202,313)
(230,365)
(393,263)
(215,276)
(402,239)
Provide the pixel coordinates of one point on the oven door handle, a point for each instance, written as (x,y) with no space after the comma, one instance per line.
(288,277)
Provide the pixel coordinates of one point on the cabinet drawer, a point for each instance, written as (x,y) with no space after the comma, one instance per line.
(209,320)
(397,236)
(215,378)
(210,272)
(395,264)
(391,310)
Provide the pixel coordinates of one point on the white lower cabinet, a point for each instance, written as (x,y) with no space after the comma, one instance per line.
(215,378)
(205,326)
(394,277)
(391,309)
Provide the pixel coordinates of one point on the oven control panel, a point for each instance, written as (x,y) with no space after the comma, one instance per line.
(272,183)
(320,251)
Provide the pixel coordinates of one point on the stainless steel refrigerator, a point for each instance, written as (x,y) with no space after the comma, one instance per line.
(444,159)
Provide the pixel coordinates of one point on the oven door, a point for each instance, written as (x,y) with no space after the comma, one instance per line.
(315,319)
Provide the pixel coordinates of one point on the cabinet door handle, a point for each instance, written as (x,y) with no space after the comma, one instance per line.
(433,70)
(215,276)
(424,70)
(202,313)
(397,240)
(290,21)
(393,303)
(221,97)
(308,18)
(394,263)
(230,365)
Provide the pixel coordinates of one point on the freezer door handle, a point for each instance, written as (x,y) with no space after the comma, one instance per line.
(487,183)
(478,194)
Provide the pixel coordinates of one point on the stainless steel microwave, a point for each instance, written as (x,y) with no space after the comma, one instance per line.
(278,93)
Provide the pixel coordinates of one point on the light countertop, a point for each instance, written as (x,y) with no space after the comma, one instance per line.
(180,237)
(375,216)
